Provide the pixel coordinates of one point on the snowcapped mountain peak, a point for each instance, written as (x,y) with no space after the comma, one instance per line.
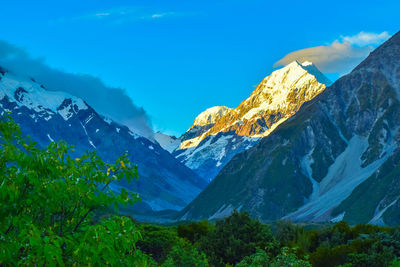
(210,116)
(275,99)
(294,74)
(26,92)
(219,133)
(48,116)
(278,97)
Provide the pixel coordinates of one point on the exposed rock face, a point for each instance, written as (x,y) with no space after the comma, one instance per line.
(219,133)
(337,158)
(164,182)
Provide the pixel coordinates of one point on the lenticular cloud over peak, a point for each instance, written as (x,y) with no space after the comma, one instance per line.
(340,56)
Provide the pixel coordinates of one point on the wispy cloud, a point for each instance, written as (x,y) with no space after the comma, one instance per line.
(118,15)
(103,14)
(341,56)
(154,16)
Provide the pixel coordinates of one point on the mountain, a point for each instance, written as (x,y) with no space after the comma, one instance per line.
(169,143)
(164,183)
(219,133)
(337,159)
(201,125)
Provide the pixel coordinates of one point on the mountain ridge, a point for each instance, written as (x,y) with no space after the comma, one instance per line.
(313,166)
(48,116)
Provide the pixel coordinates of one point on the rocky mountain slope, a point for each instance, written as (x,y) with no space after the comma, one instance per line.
(164,182)
(169,143)
(219,133)
(337,159)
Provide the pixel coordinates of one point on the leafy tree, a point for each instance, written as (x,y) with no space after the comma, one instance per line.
(285,231)
(157,241)
(184,254)
(47,200)
(258,259)
(395,263)
(325,256)
(234,238)
(194,231)
(291,235)
(286,257)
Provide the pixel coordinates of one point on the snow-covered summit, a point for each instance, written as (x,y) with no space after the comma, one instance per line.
(210,116)
(26,92)
(285,90)
(275,99)
(226,132)
(293,75)
(312,69)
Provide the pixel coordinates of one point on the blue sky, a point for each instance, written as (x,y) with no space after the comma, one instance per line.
(177,58)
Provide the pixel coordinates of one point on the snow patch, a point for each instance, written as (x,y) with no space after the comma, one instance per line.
(51,139)
(343,176)
(91,143)
(338,218)
(223,212)
(377,219)
(306,163)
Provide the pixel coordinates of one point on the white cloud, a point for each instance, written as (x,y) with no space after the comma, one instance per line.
(366,38)
(341,56)
(157,16)
(104,14)
(119,15)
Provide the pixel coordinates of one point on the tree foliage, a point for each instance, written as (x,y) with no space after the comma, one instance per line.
(184,254)
(194,230)
(47,200)
(286,257)
(157,241)
(234,238)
